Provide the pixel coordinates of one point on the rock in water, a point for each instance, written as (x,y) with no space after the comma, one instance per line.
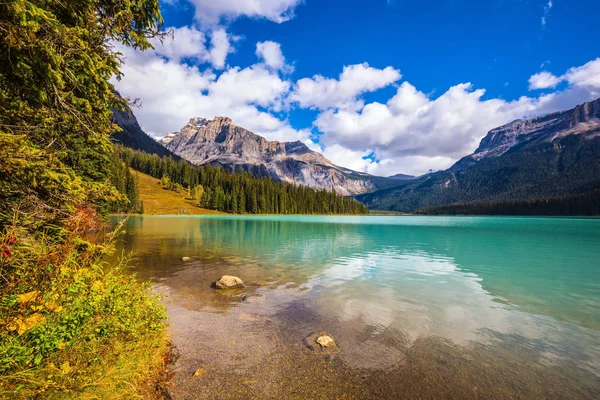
(186,258)
(325,341)
(229,282)
(322,342)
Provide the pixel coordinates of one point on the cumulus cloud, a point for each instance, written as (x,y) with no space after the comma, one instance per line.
(172,92)
(192,44)
(220,47)
(587,77)
(322,93)
(543,80)
(251,85)
(272,56)
(412,132)
(215,11)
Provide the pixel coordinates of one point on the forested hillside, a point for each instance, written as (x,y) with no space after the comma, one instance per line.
(217,189)
(580,204)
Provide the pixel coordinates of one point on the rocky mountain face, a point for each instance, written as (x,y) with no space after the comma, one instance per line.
(527,133)
(549,156)
(131,134)
(221,142)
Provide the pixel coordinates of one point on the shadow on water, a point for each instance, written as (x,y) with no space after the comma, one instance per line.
(462,307)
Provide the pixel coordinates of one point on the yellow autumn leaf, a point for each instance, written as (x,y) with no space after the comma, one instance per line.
(97,286)
(37,308)
(50,305)
(62,345)
(65,368)
(33,320)
(27,297)
(16,325)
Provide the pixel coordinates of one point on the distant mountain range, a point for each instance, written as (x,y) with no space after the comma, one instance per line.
(549,156)
(544,157)
(221,142)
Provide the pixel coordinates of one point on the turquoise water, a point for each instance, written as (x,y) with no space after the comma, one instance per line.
(525,289)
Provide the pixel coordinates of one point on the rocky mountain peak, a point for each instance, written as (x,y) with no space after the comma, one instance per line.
(220,141)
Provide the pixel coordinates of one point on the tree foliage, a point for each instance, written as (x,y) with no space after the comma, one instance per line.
(55,95)
(59,304)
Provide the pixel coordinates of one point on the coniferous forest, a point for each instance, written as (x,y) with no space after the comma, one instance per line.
(217,189)
(580,204)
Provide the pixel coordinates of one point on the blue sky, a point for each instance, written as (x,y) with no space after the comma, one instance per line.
(424,80)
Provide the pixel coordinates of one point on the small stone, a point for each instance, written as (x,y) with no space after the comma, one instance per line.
(325,341)
(199,372)
(322,342)
(186,258)
(229,282)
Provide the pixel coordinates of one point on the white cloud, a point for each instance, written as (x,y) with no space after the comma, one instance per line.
(587,77)
(352,159)
(323,93)
(185,42)
(547,8)
(412,132)
(543,80)
(220,48)
(251,85)
(214,11)
(191,43)
(270,53)
(173,92)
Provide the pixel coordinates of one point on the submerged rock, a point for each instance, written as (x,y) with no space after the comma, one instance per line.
(229,282)
(322,342)
(326,341)
(186,258)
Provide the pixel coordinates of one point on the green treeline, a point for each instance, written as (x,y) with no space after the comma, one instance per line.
(580,204)
(238,192)
(126,184)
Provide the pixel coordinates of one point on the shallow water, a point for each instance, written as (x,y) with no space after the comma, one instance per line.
(428,307)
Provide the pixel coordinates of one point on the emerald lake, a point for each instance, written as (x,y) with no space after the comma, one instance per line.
(430,307)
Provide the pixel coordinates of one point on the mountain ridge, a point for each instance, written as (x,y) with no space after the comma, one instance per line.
(131,134)
(222,142)
(547,156)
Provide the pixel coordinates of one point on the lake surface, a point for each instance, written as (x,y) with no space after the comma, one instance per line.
(429,307)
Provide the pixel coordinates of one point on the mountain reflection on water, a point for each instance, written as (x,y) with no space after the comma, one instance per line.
(520,287)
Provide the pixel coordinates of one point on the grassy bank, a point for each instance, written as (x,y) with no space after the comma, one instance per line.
(160,201)
(78,329)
